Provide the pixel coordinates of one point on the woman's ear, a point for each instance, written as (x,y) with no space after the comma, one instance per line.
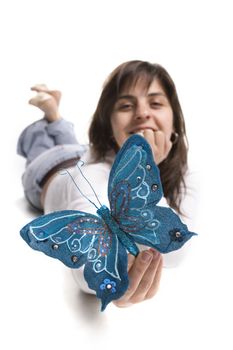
(174,137)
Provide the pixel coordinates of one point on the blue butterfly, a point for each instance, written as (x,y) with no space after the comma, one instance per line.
(101,242)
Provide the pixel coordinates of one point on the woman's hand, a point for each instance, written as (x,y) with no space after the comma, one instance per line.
(144,276)
(160,144)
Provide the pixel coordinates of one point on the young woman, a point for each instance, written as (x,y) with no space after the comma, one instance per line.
(138,97)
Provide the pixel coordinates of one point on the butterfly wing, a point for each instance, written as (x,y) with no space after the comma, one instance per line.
(78,238)
(164,232)
(134,165)
(109,278)
(134,191)
(66,235)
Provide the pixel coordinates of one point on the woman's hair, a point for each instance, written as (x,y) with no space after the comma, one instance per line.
(173,168)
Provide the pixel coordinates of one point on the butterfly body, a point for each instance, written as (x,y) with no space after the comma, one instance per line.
(113,227)
(100,242)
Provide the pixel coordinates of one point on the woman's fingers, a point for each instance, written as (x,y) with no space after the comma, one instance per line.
(148,280)
(131,260)
(144,276)
(137,271)
(155,285)
(160,144)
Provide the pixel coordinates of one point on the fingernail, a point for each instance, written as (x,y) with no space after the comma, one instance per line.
(156,253)
(140,133)
(146,256)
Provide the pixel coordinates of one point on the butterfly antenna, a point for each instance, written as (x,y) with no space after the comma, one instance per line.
(67,172)
(79,164)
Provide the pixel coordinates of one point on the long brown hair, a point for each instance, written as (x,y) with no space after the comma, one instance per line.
(173,168)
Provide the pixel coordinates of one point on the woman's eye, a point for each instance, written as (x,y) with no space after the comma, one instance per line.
(125,106)
(156,104)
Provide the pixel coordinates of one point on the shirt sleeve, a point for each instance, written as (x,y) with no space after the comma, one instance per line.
(78,275)
(189,208)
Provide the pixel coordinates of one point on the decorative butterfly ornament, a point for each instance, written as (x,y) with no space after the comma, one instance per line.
(101,242)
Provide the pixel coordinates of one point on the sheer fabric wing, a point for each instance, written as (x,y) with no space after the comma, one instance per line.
(135,186)
(78,238)
(110,281)
(134,166)
(65,235)
(165,232)
(134,190)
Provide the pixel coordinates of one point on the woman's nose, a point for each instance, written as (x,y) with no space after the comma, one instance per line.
(142,112)
(142,116)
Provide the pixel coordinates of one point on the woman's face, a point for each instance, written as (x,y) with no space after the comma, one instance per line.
(147,112)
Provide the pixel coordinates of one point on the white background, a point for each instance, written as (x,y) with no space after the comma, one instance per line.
(73,46)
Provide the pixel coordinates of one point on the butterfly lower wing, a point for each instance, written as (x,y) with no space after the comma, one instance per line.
(109,278)
(163,230)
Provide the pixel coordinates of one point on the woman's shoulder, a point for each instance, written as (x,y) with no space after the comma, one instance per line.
(90,158)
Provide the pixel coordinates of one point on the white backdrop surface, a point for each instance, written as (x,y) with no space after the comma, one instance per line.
(73,46)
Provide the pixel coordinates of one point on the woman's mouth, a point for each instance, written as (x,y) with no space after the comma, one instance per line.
(140,131)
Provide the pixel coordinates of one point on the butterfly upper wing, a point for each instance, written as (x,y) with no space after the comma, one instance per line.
(134,190)
(134,165)
(66,235)
(78,238)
